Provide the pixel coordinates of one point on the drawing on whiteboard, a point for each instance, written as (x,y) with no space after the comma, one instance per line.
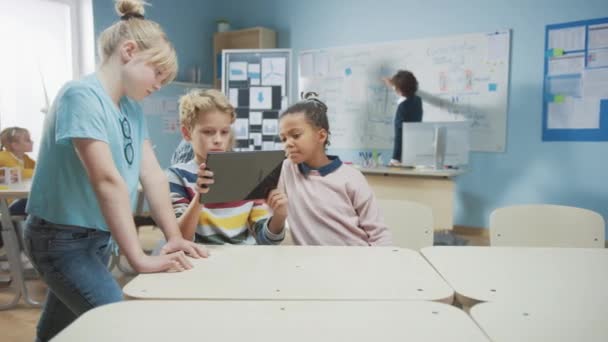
(457,81)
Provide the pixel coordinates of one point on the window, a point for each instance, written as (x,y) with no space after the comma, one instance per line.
(46,43)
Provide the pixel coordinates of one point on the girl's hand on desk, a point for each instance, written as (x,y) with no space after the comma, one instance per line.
(174,262)
(190,248)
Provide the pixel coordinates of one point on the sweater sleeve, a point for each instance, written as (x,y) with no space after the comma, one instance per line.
(370,219)
(178,193)
(258,221)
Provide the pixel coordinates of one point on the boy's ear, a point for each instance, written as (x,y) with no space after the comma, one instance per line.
(186,133)
(127,50)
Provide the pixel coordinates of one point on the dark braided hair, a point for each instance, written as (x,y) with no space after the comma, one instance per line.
(314,110)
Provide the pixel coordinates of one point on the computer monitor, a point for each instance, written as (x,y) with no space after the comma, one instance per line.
(436,144)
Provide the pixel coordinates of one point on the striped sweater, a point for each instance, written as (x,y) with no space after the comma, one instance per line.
(243,222)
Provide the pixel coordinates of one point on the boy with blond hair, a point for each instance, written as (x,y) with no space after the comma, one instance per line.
(206,117)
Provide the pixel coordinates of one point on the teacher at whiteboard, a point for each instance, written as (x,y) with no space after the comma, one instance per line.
(405,85)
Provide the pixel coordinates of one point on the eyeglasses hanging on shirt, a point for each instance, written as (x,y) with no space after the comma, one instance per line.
(128,151)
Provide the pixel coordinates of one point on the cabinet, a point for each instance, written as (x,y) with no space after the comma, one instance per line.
(251,38)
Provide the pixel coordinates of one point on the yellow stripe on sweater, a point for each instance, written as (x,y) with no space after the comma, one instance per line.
(229,223)
(257,214)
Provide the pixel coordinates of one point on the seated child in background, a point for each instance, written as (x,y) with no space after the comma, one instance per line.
(15,143)
(329,203)
(205,118)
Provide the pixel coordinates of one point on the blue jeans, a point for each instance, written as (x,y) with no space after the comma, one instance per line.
(73,263)
(18,207)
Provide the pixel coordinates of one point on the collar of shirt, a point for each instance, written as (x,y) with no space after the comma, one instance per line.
(401,99)
(334,164)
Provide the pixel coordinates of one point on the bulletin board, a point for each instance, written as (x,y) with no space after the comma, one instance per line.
(257,82)
(575,104)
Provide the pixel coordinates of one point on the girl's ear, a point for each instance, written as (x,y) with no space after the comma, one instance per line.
(322,136)
(186,133)
(127,50)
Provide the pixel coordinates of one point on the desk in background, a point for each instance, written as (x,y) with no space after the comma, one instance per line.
(434,188)
(269,321)
(11,244)
(298,273)
(557,276)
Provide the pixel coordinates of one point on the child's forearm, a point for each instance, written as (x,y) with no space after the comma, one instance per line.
(156,188)
(113,199)
(276,224)
(189,219)
(112,196)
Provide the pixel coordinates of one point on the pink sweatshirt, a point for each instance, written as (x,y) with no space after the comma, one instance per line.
(332,206)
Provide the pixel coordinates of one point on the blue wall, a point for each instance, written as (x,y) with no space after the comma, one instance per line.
(529,171)
(189,24)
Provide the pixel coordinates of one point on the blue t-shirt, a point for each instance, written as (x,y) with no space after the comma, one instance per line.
(61,191)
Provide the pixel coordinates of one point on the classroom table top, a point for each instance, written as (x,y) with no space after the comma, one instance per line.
(523,274)
(16,190)
(298,273)
(268,321)
(526,322)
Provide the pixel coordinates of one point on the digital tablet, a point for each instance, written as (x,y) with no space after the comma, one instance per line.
(240,176)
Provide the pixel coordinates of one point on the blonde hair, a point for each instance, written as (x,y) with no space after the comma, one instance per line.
(147,34)
(200,101)
(9,136)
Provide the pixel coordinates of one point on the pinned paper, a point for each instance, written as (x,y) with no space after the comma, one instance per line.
(558,98)
(555,52)
(255,118)
(492,86)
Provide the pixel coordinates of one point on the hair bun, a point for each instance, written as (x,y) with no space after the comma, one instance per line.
(310,95)
(130,8)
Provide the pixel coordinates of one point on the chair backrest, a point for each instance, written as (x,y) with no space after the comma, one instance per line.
(544,225)
(410,223)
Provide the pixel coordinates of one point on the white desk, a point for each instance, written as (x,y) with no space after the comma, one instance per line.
(268,321)
(430,187)
(532,323)
(523,274)
(298,273)
(11,244)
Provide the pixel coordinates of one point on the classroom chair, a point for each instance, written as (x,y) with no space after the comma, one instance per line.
(545,225)
(410,223)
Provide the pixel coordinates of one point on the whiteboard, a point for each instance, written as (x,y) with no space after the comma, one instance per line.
(464,77)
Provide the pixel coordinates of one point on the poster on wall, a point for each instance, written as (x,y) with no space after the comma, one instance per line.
(257,83)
